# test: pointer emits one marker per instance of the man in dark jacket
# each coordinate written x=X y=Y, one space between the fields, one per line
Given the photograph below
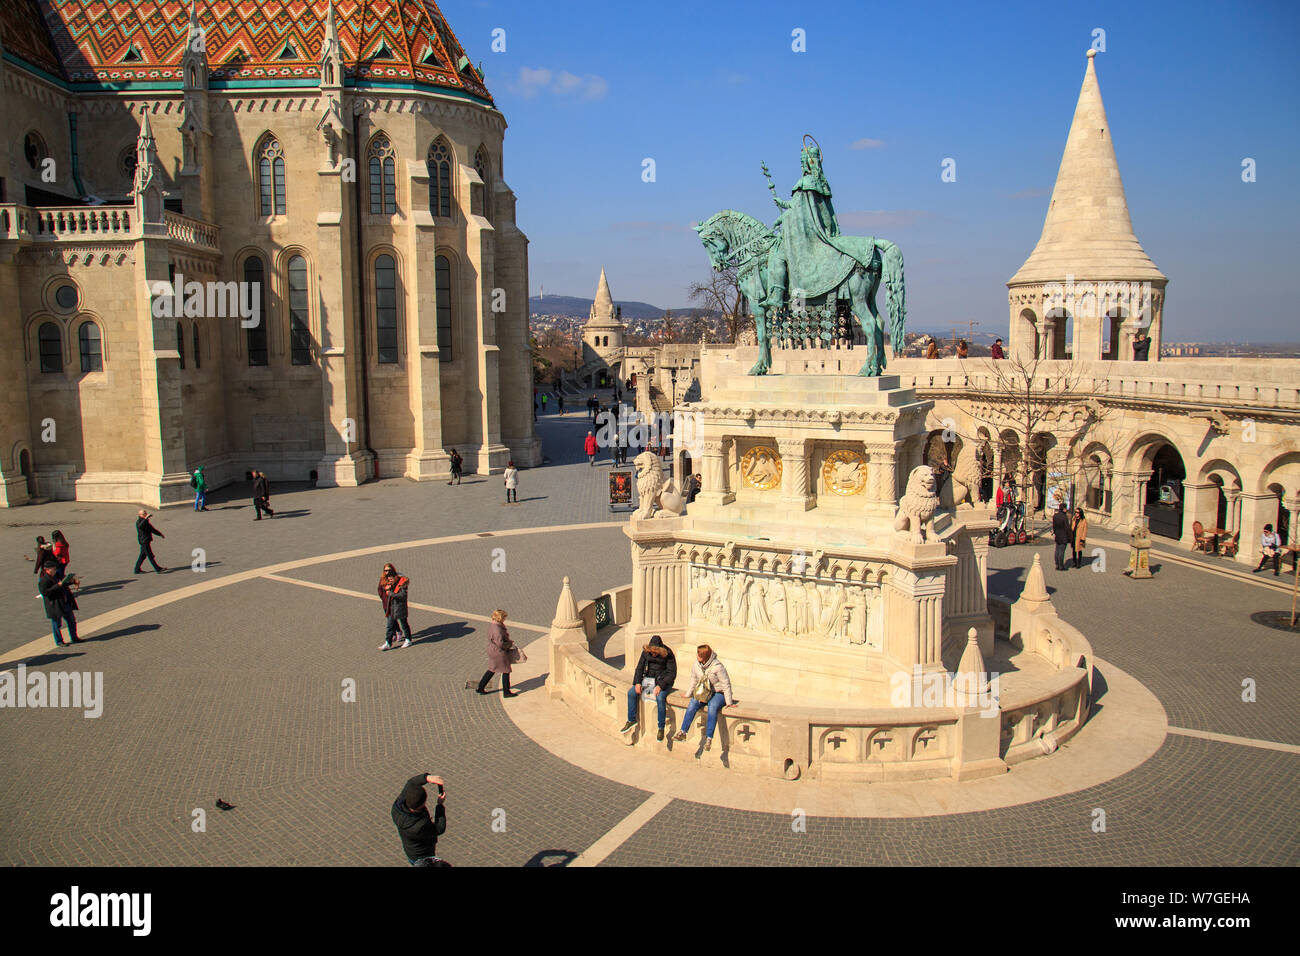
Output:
x=59 y=602
x=261 y=495
x=658 y=665
x=1062 y=533
x=419 y=831
x=144 y=533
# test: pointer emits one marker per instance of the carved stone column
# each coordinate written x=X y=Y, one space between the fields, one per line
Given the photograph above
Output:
x=713 y=474
x=883 y=469
x=1292 y=505
x=794 y=473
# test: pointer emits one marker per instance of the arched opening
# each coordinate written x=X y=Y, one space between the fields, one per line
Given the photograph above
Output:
x=1045 y=472
x=381 y=161
x=1027 y=331
x=1060 y=331
x=1164 y=502
x=1095 y=471
x=270 y=176
x=1111 y=325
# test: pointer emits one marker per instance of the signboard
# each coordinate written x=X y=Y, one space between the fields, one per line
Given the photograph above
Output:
x=620 y=491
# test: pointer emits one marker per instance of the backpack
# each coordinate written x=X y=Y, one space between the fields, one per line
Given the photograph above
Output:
x=703 y=690
x=194 y=481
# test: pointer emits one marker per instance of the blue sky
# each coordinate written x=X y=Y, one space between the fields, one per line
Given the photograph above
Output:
x=710 y=89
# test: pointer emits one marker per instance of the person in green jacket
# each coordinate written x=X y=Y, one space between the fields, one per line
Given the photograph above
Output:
x=200 y=489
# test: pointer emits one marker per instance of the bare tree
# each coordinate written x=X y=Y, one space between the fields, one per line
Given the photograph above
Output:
x=1048 y=404
x=721 y=294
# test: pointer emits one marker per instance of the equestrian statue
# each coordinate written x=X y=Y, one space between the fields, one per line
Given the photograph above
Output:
x=796 y=274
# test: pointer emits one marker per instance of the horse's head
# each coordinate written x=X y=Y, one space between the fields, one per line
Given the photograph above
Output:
x=715 y=243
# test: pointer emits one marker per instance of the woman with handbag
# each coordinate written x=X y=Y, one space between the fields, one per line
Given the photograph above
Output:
x=709 y=685
x=1079 y=535
x=502 y=652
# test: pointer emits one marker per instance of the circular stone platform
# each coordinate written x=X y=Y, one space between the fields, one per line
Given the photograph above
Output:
x=1128 y=726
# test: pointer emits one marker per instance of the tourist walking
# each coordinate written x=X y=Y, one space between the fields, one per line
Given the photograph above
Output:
x=655 y=673
x=62 y=554
x=393 y=592
x=589 y=446
x=1079 y=534
x=419 y=831
x=511 y=476
x=457 y=466
x=502 y=652
x=261 y=495
x=1270 y=543
x=144 y=533
x=59 y=603
x=996 y=351
x=545 y=398
x=710 y=686
x=1061 y=534
x=200 y=486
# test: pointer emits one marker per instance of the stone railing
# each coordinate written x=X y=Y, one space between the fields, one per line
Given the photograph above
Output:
x=193 y=232
x=89 y=223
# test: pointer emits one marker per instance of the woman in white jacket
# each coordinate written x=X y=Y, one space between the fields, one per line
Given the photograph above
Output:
x=707 y=665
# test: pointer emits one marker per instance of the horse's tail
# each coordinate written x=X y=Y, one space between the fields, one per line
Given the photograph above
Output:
x=892 y=269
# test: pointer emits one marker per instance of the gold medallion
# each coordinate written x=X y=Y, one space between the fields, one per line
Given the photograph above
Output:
x=761 y=468
x=845 y=472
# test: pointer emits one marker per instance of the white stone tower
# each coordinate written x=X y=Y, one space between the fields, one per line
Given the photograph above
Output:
x=602 y=338
x=1088 y=265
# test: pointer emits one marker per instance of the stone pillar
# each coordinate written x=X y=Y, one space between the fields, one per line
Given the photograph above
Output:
x=1200 y=503
x=15 y=410
x=882 y=472
x=713 y=473
x=659 y=586
x=427 y=460
x=1255 y=512
x=794 y=473
x=1292 y=505
x=1140 y=479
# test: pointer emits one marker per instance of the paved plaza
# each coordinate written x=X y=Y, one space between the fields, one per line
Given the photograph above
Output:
x=229 y=683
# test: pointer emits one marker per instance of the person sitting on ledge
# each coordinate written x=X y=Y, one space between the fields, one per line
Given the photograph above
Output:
x=658 y=669
x=707 y=667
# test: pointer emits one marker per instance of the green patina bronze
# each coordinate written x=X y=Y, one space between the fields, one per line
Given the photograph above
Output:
x=796 y=273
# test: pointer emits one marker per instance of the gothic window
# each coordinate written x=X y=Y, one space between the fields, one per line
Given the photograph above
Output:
x=180 y=343
x=442 y=290
x=34 y=149
x=440 y=178
x=383 y=179
x=299 y=326
x=92 y=351
x=270 y=176
x=198 y=358
x=51 y=348
x=255 y=337
x=484 y=168
x=386 y=309
x=126 y=164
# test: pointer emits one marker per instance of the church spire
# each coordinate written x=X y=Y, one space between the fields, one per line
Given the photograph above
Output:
x=603 y=311
x=1087 y=231
x=331 y=53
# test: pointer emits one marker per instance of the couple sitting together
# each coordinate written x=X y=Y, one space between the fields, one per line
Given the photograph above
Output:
x=656 y=672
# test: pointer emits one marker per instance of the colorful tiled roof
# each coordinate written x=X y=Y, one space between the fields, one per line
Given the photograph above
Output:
x=22 y=31
x=123 y=42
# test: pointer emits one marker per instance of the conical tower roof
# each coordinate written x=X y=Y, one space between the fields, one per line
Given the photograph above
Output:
x=602 y=310
x=1087 y=232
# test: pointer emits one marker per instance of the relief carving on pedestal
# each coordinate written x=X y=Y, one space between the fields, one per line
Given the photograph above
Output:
x=831 y=611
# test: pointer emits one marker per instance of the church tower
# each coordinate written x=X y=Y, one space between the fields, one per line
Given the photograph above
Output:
x=1088 y=284
x=602 y=336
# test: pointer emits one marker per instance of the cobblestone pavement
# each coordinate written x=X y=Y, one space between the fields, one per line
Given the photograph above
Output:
x=238 y=693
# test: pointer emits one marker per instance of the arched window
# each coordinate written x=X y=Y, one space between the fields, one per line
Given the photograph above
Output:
x=440 y=178
x=198 y=356
x=92 y=351
x=270 y=176
x=255 y=337
x=51 y=347
x=442 y=289
x=299 y=326
x=386 y=309
x=383 y=179
x=484 y=168
x=180 y=343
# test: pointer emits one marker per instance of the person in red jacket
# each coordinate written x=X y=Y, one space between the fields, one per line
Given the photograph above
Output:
x=62 y=554
x=589 y=445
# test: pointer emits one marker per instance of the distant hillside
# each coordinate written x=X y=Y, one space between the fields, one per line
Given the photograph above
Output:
x=581 y=308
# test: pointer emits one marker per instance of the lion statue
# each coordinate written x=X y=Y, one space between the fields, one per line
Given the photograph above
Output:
x=653 y=491
x=916 y=508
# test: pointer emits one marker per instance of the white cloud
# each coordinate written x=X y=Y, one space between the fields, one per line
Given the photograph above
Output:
x=531 y=81
x=867 y=143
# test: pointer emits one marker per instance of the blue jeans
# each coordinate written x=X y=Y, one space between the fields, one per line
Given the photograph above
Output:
x=200 y=499
x=390 y=631
x=58 y=631
x=661 y=701
x=715 y=704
